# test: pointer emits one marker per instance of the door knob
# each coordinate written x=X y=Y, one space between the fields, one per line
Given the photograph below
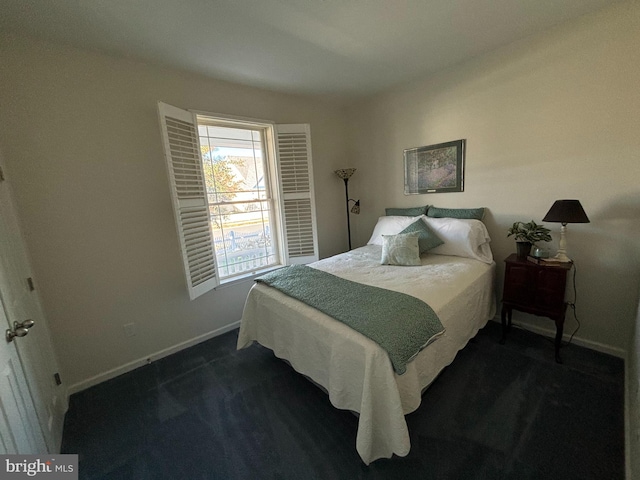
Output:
x=19 y=330
x=26 y=324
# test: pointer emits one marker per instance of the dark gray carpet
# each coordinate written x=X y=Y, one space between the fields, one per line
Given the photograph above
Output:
x=211 y=412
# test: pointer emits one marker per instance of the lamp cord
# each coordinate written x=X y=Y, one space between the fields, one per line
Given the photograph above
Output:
x=573 y=306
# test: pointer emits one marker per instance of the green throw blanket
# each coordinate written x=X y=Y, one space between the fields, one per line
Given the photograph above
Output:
x=399 y=323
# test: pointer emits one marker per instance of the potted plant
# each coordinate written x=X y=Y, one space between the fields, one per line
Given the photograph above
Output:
x=527 y=234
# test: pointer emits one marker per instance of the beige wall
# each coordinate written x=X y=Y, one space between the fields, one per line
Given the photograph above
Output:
x=81 y=139
x=554 y=116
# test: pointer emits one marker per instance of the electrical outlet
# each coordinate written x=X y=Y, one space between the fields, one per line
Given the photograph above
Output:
x=130 y=329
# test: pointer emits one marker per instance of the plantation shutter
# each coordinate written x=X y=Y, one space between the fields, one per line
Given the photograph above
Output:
x=189 y=194
x=297 y=196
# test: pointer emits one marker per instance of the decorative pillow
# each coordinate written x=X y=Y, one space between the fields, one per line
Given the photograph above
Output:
x=389 y=226
x=406 y=212
x=463 y=213
x=401 y=249
x=427 y=238
x=462 y=238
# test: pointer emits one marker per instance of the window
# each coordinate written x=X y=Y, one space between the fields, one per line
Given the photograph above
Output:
x=235 y=165
x=242 y=195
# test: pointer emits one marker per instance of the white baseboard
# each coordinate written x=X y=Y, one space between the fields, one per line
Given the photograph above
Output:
x=547 y=332
x=127 y=367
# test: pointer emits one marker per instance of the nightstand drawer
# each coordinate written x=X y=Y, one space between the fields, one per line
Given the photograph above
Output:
x=535 y=288
x=518 y=284
x=550 y=289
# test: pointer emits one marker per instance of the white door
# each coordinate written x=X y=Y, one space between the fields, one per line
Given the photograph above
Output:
x=21 y=302
x=19 y=428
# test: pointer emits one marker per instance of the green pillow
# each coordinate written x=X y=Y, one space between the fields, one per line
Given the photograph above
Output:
x=427 y=238
x=401 y=249
x=406 y=212
x=462 y=213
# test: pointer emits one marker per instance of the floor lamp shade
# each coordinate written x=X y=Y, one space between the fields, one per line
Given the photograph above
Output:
x=345 y=173
x=565 y=211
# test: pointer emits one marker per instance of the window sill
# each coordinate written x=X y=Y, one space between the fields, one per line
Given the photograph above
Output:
x=245 y=277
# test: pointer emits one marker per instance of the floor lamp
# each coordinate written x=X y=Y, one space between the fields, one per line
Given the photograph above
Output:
x=345 y=174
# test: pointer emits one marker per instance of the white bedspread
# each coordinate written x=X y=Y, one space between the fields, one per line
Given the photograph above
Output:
x=354 y=370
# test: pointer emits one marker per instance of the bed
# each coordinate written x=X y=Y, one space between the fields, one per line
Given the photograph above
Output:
x=456 y=279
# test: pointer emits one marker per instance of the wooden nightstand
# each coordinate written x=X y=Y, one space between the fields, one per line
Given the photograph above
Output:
x=536 y=289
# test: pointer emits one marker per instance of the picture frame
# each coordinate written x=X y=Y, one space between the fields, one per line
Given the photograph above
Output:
x=435 y=168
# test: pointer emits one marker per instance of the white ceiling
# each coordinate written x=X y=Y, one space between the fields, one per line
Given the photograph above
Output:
x=340 y=47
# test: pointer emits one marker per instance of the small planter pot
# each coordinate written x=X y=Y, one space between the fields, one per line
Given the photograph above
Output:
x=523 y=249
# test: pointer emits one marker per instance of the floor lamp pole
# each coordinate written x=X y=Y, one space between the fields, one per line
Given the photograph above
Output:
x=346 y=192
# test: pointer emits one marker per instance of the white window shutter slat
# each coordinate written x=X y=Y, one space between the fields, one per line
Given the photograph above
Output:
x=189 y=194
x=297 y=195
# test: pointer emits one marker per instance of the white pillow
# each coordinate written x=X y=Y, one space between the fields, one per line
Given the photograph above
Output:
x=391 y=225
x=462 y=238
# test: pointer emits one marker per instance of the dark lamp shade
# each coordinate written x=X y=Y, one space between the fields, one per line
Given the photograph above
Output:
x=566 y=211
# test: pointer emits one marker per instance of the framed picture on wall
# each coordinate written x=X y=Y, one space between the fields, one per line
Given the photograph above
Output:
x=435 y=168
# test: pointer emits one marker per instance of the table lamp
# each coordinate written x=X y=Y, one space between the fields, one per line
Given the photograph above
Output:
x=565 y=211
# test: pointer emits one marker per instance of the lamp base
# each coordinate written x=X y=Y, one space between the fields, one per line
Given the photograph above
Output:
x=559 y=257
